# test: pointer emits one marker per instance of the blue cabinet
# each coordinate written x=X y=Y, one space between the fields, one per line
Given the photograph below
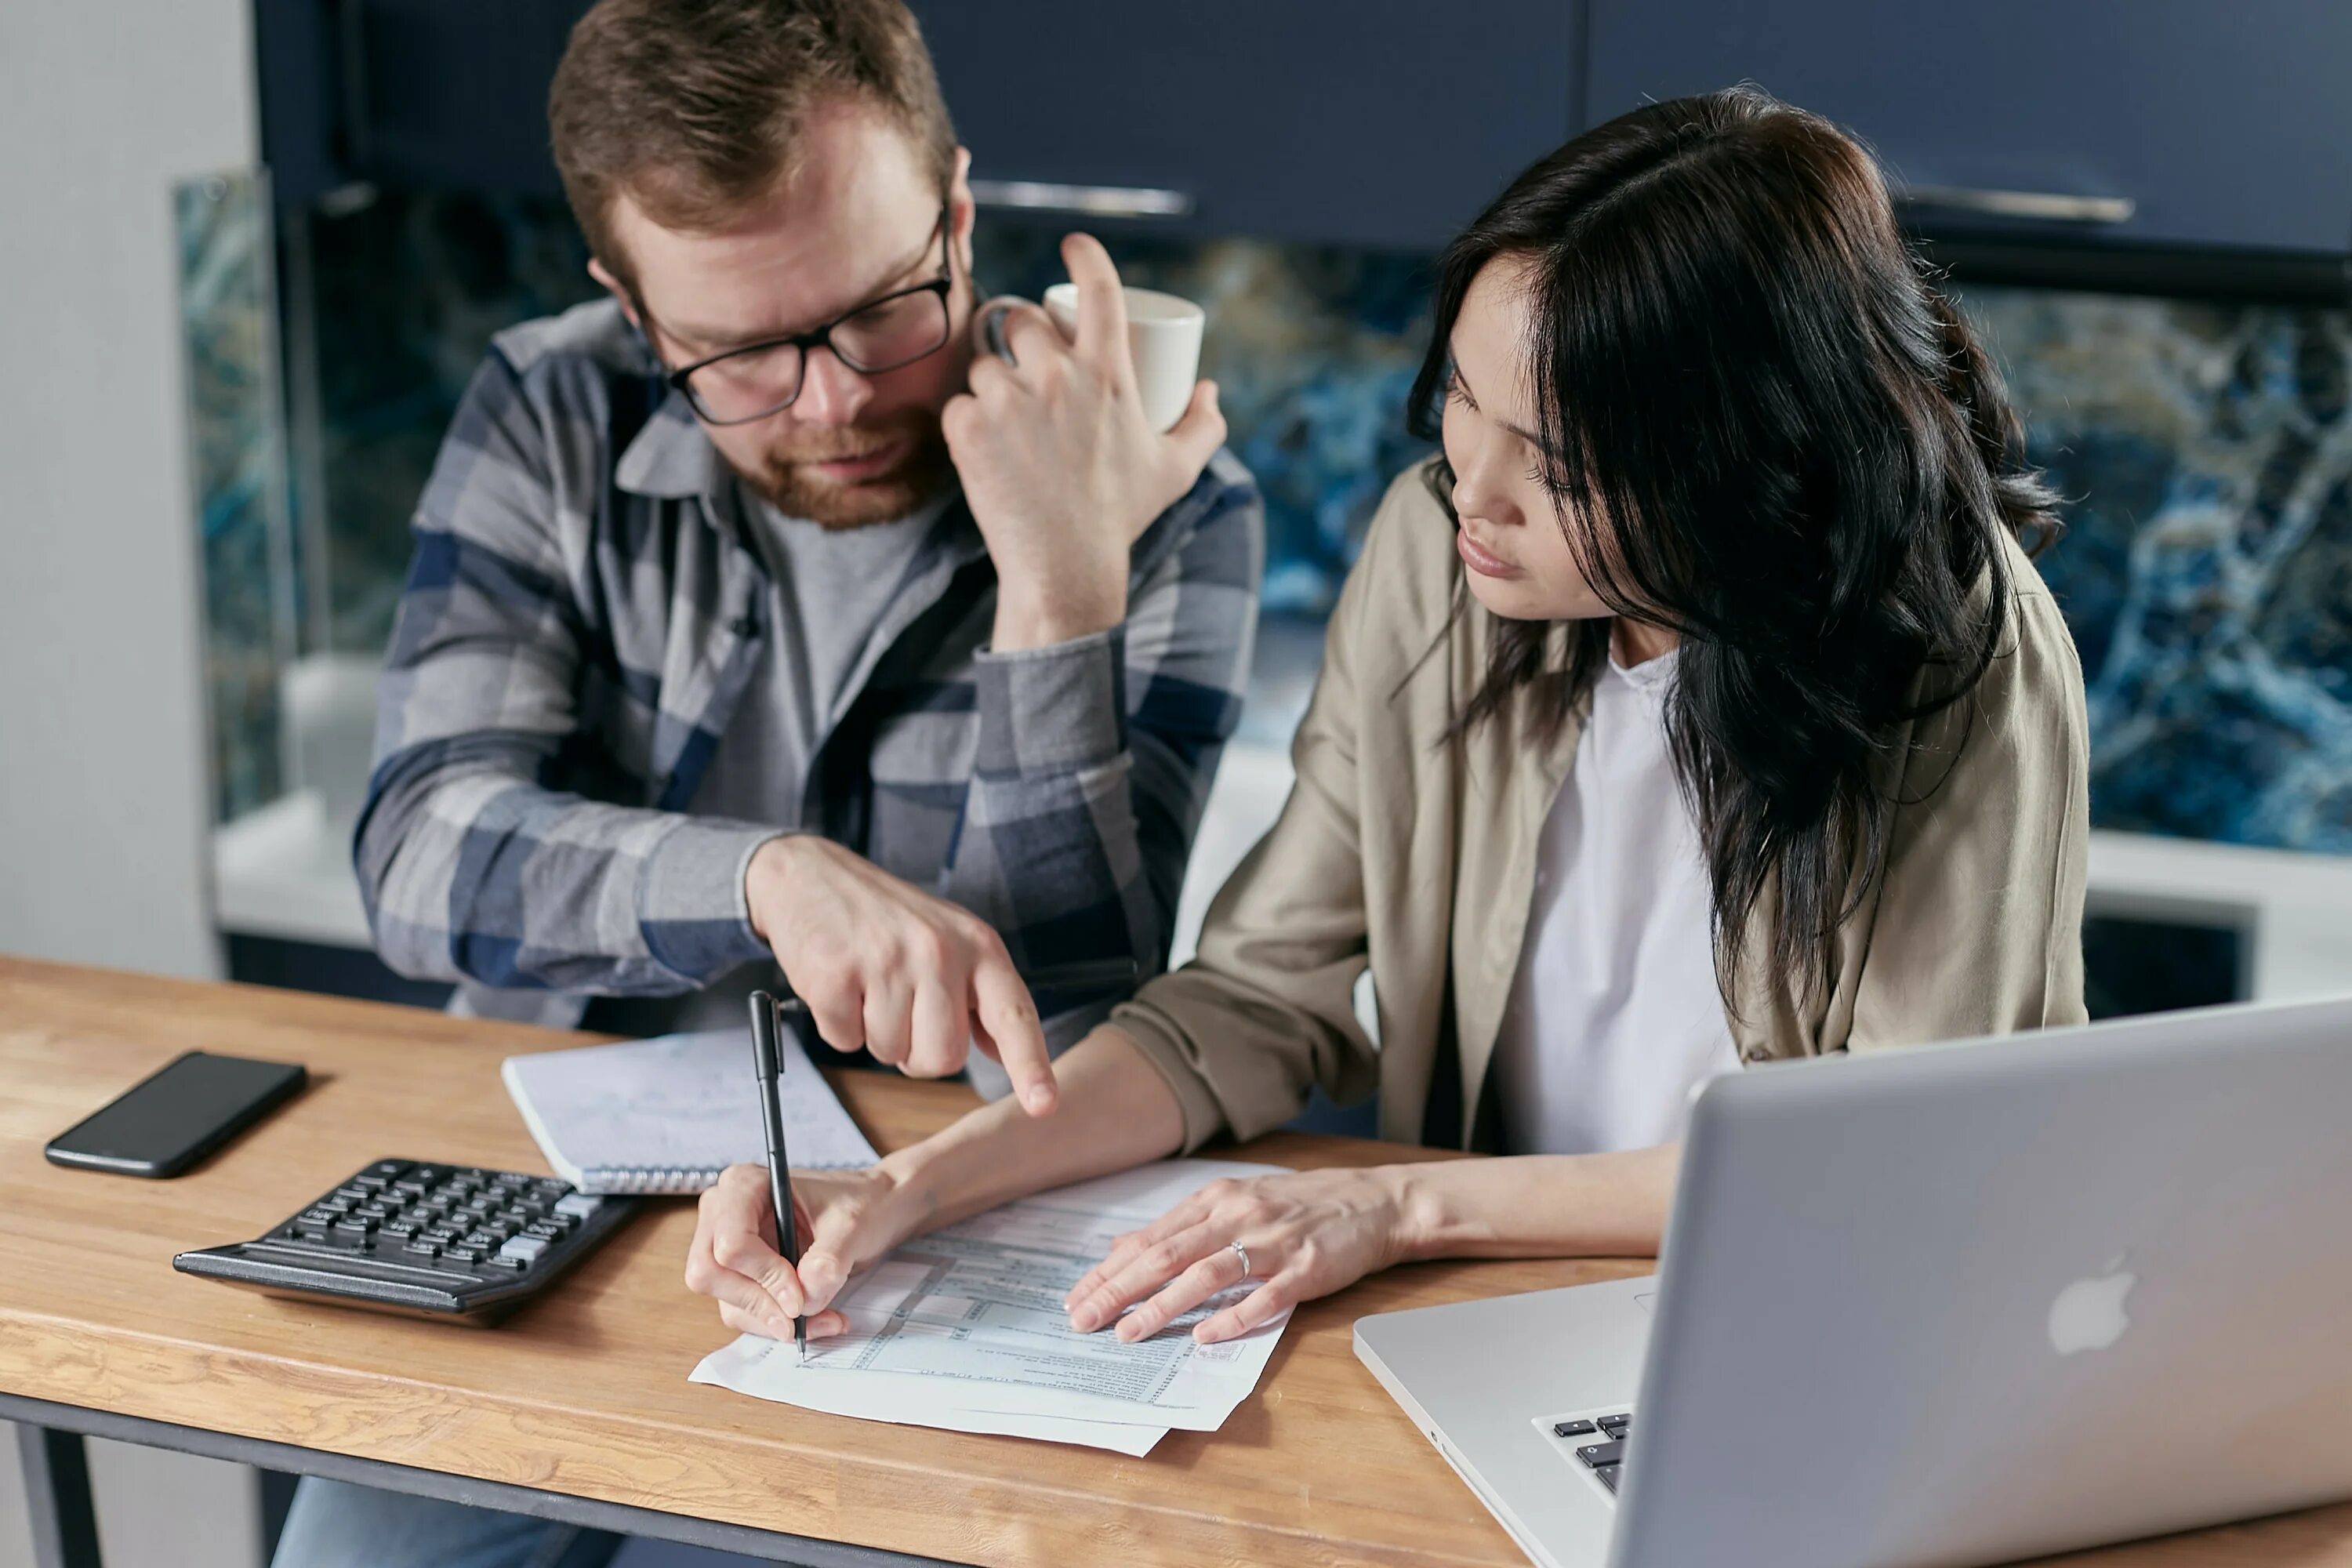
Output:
x=1380 y=123
x=1388 y=122
x=2179 y=122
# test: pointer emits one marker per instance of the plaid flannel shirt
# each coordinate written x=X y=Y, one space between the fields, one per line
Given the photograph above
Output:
x=583 y=611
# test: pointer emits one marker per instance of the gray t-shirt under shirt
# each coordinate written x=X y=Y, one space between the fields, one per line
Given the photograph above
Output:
x=828 y=590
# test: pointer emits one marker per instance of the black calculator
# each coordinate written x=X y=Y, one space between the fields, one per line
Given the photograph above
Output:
x=452 y=1242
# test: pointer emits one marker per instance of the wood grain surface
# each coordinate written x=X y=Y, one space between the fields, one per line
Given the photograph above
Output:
x=585 y=1392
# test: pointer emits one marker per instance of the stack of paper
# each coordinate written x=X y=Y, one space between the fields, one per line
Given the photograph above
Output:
x=964 y=1328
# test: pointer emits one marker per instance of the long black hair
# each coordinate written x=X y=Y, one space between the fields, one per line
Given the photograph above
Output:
x=1805 y=460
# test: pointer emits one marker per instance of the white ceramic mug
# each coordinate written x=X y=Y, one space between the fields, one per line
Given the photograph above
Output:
x=1163 y=336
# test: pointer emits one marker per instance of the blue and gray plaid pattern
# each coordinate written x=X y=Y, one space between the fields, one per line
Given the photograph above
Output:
x=584 y=612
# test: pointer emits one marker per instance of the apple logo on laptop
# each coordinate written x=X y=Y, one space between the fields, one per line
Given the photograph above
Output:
x=2089 y=1315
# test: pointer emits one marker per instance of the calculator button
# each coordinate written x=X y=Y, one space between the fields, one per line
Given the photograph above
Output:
x=376 y=1212
x=354 y=1225
x=353 y=1194
x=334 y=1206
x=548 y=1189
x=423 y=1248
x=466 y=1254
x=548 y=1229
x=578 y=1205
x=443 y=1235
x=400 y=1227
x=484 y=1239
x=522 y=1249
x=387 y=1169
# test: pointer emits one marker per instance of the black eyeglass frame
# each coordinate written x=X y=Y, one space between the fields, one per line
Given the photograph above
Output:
x=820 y=337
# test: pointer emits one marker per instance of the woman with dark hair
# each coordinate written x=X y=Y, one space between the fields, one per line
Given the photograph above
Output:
x=1699 y=706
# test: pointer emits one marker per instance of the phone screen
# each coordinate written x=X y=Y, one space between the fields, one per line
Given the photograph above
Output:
x=166 y=1122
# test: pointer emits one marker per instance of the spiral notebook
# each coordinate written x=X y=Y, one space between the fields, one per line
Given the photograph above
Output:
x=667 y=1115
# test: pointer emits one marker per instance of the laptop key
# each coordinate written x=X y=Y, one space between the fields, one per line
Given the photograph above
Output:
x=1607 y=1476
x=1599 y=1454
x=1574 y=1429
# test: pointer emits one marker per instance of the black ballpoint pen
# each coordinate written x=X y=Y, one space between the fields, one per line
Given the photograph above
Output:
x=767 y=1022
x=766 y=1016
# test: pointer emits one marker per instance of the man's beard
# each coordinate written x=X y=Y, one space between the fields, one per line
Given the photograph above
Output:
x=786 y=481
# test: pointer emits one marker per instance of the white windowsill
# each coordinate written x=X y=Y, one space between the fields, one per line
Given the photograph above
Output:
x=284 y=872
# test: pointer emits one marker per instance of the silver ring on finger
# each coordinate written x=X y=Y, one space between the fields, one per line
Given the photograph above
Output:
x=1243 y=1253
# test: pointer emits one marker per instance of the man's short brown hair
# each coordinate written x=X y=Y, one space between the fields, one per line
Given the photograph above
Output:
x=693 y=107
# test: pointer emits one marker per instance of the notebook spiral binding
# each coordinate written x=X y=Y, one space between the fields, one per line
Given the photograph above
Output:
x=648 y=1179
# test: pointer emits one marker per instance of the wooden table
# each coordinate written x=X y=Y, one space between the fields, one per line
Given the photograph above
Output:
x=578 y=1408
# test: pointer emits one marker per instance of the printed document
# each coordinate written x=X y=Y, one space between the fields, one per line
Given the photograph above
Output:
x=964 y=1328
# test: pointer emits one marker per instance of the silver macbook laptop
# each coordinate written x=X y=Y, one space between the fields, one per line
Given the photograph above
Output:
x=1953 y=1305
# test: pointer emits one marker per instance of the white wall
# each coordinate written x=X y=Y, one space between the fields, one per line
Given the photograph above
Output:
x=103 y=801
x=103 y=796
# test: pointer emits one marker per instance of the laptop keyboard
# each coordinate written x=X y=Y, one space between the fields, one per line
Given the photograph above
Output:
x=1598 y=1443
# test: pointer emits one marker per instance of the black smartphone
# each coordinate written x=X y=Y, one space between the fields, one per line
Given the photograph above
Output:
x=174 y=1117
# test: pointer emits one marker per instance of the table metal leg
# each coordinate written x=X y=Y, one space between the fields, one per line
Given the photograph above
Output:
x=277 y=1499
x=56 y=1496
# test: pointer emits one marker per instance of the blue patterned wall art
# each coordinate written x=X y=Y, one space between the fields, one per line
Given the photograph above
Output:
x=2206 y=458
x=2205 y=451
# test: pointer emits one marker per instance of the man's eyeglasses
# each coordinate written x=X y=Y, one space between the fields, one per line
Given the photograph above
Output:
x=756 y=380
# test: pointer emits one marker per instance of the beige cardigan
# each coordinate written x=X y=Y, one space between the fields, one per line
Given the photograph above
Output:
x=1419 y=858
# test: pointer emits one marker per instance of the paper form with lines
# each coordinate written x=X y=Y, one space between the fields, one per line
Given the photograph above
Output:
x=964 y=1328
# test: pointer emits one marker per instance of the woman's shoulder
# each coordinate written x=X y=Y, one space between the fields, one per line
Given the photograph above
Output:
x=2026 y=708
x=2037 y=652
x=1405 y=586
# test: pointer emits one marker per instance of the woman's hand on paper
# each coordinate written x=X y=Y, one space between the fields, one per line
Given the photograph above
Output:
x=848 y=1216
x=1307 y=1233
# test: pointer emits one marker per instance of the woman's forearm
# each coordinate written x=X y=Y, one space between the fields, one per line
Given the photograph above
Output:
x=1538 y=1205
x=1115 y=1111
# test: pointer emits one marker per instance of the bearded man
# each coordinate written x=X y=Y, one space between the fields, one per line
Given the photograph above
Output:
x=759 y=622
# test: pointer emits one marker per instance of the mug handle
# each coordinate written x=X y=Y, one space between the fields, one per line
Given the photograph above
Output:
x=990 y=326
